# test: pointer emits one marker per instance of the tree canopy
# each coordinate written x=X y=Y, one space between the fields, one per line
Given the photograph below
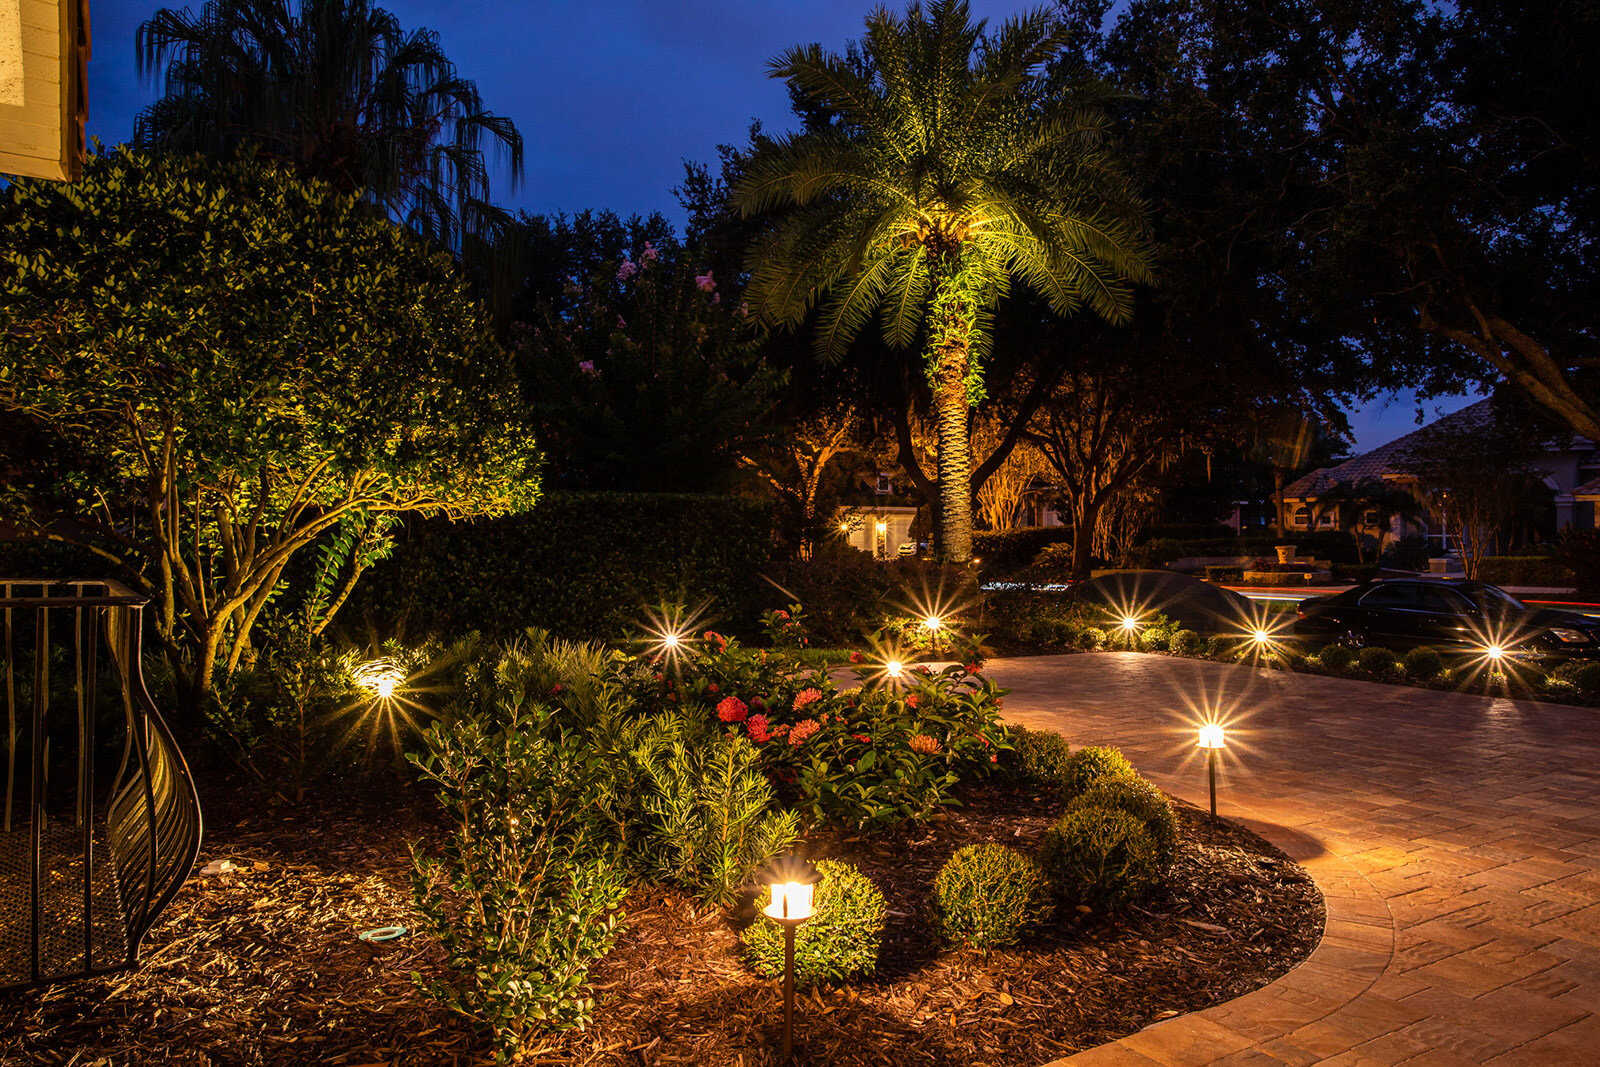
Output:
x=205 y=368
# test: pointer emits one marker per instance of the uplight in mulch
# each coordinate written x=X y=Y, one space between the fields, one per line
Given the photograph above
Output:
x=793 y=882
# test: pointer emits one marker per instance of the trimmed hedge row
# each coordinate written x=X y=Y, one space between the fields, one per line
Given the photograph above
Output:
x=1525 y=570
x=1011 y=550
x=581 y=565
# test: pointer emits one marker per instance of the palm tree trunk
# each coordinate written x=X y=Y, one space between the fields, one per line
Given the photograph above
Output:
x=954 y=541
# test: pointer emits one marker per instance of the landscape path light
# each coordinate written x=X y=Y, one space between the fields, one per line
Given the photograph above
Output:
x=380 y=677
x=1212 y=740
x=793 y=883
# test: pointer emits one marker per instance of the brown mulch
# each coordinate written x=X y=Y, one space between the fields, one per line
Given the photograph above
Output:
x=262 y=965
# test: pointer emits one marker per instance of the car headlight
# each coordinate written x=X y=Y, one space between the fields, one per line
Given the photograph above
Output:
x=1569 y=637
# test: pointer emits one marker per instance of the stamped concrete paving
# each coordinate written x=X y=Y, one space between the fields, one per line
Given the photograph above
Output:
x=1456 y=840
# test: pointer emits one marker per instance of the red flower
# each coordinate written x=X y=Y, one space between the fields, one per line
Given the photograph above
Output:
x=912 y=700
x=974 y=667
x=558 y=687
x=802 y=730
x=732 y=709
x=856 y=657
x=994 y=759
x=806 y=696
x=780 y=729
x=720 y=641
x=757 y=727
x=714 y=688
x=780 y=614
x=863 y=738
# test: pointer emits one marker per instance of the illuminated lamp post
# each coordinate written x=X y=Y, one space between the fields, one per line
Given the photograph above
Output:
x=793 y=882
x=1212 y=740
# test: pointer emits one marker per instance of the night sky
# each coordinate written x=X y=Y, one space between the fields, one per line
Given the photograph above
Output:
x=611 y=96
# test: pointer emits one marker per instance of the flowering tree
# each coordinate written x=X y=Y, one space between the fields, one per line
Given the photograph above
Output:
x=206 y=369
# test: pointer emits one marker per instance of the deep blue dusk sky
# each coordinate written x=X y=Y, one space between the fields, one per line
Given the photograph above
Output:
x=611 y=96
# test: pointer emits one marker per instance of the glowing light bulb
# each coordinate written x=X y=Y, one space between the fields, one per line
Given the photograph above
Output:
x=1211 y=736
x=384 y=688
x=380 y=677
x=1495 y=652
x=671 y=640
x=883 y=527
x=1130 y=623
x=894 y=668
x=933 y=622
x=1261 y=637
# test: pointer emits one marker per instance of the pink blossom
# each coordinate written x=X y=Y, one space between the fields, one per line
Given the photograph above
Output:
x=732 y=709
x=806 y=696
x=705 y=282
x=743 y=309
x=587 y=367
x=622 y=323
x=649 y=254
x=716 y=298
x=627 y=270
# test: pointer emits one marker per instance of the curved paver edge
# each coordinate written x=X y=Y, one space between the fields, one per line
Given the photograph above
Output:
x=1354 y=950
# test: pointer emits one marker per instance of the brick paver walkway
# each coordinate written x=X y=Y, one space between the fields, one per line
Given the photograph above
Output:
x=1456 y=840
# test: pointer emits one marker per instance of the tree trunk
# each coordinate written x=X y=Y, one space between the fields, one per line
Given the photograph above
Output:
x=954 y=542
x=1277 y=495
x=1085 y=517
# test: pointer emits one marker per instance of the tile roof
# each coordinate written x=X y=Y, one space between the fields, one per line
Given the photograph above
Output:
x=1394 y=458
x=1589 y=488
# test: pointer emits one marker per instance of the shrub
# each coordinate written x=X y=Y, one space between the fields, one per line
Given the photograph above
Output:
x=1222 y=647
x=1041 y=756
x=1088 y=765
x=1408 y=553
x=583 y=565
x=839 y=943
x=1155 y=639
x=1424 y=664
x=846 y=596
x=709 y=813
x=524 y=892
x=1100 y=858
x=1091 y=638
x=785 y=627
x=1579 y=551
x=1144 y=802
x=1337 y=658
x=1052 y=560
x=1540 y=571
x=986 y=895
x=1005 y=551
x=1379 y=662
x=1587 y=678
x=1186 y=643
x=1292 y=658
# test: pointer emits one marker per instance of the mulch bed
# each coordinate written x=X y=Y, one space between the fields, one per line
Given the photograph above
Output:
x=262 y=966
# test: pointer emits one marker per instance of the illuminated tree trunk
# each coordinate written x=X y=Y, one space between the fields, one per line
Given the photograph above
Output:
x=952 y=321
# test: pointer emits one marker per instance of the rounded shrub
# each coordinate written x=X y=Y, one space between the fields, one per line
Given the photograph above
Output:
x=1144 y=802
x=1222 y=647
x=1379 y=662
x=1091 y=638
x=1337 y=658
x=1587 y=679
x=1292 y=659
x=1040 y=756
x=839 y=943
x=1186 y=642
x=1090 y=764
x=1155 y=640
x=986 y=895
x=1424 y=664
x=1100 y=857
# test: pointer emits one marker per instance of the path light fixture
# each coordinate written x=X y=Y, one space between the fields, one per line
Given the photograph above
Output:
x=894 y=669
x=1212 y=740
x=933 y=624
x=793 y=882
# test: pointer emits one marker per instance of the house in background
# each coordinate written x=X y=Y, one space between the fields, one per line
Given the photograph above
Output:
x=1569 y=467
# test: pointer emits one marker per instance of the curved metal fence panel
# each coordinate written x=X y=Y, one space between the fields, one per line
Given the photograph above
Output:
x=101 y=823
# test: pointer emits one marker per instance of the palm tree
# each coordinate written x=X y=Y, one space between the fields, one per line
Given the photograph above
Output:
x=945 y=170
x=336 y=89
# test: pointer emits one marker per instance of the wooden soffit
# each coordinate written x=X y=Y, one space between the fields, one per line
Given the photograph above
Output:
x=44 y=49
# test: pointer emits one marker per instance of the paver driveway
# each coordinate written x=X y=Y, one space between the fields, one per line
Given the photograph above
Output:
x=1456 y=839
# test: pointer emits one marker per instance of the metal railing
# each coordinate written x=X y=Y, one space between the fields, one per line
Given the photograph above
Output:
x=88 y=860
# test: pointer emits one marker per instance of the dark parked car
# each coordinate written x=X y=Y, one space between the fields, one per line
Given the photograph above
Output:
x=1450 y=615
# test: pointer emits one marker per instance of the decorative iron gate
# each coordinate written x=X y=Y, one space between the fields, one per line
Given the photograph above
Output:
x=88 y=859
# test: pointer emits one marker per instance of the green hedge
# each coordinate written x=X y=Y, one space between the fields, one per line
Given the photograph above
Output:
x=1321 y=544
x=1525 y=570
x=582 y=565
x=1011 y=550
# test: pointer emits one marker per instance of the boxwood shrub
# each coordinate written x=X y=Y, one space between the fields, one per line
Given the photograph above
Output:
x=1040 y=756
x=581 y=565
x=839 y=943
x=1424 y=664
x=1144 y=802
x=1379 y=662
x=1090 y=764
x=1187 y=642
x=986 y=895
x=1101 y=858
x=1337 y=658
